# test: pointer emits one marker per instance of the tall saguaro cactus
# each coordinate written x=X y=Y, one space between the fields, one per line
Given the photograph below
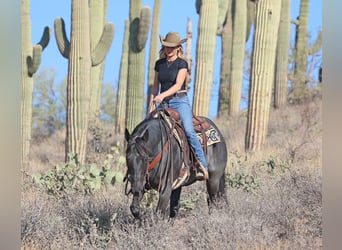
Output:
x=282 y=61
x=262 y=72
x=140 y=19
x=81 y=58
x=238 y=56
x=302 y=49
x=226 y=60
x=188 y=51
x=98 y=14
x=206 y=43
x=30 y=61
x=120 y=112
x=230 y=91
x=154 y=46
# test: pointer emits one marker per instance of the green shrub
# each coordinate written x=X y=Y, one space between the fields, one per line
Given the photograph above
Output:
x=243 y=181
x=72 y=176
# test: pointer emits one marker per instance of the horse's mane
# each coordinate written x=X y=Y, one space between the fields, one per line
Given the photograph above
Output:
x=145 y=125
x=155 y=127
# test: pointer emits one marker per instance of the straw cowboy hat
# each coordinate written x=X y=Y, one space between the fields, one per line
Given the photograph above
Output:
x=172 y=39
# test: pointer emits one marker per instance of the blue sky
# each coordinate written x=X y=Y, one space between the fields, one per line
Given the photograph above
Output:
x=174 y=14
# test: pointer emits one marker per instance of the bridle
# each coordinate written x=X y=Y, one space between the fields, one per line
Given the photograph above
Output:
x=152 y=162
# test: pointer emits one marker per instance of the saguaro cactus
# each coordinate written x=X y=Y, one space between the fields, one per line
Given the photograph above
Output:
x=302 y=50
x=238 y=56
x=120 y=113
x=226 y=59
x=188 y=51
x=154 y=46
x=206 y=43
x=282 y=61
x=301 y=45
x=227 y=53
x=30 y=61
x=262 y=72
x=81 y=58
x=140 y=20
x=98 y=13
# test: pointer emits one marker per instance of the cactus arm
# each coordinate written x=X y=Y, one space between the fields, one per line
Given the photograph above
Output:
x=144 y=27
x=34 y=61
x=44 y=41
x=102 y=47
x=198 y=5
x=317 y=45
x=295 y=22
x=61 y=38
x=222 y=12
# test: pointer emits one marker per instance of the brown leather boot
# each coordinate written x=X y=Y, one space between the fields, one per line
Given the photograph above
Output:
x=202 y=173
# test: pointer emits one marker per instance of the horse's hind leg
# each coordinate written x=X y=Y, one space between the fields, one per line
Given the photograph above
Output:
x=216 y=190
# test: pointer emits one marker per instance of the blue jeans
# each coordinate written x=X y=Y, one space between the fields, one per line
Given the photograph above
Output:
x=182 y=105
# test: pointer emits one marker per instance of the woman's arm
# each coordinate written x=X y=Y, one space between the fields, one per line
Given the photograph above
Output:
x=154 y=92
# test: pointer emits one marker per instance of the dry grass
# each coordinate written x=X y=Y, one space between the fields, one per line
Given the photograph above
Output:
x=284 y=211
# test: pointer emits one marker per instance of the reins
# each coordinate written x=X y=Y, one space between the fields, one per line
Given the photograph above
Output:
x=153 y=162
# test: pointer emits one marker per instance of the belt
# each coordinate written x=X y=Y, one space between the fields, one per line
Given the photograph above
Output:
x=180 y=93
x=177 y=94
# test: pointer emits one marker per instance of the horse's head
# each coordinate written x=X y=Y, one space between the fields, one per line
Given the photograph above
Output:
x=137 y=160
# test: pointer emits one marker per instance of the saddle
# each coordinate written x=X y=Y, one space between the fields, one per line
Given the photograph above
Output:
x=207 y=135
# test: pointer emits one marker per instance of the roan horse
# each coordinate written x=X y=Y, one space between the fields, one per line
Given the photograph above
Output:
x=155 y=158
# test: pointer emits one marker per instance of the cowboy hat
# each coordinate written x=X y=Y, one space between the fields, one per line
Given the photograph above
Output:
x=172 y=39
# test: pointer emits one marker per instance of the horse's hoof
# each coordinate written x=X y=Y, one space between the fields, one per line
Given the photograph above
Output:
x=173 y=211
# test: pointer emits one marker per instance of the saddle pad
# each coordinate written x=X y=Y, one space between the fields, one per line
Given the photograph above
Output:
x=211 y=133
x=212 y=136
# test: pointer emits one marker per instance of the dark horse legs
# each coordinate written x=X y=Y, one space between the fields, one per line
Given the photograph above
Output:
x=174 y=206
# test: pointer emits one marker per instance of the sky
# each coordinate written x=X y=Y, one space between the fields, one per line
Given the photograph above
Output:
x=174 y=15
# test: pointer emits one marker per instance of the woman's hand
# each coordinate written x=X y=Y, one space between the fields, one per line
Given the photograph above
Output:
x=158 y=99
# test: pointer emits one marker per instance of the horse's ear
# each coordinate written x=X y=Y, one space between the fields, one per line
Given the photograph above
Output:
x=127 y=135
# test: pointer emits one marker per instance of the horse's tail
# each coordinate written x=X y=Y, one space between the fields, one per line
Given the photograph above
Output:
x=222 y=188
x=222 y=185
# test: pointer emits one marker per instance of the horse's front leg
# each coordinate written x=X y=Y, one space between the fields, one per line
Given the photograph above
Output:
x=174 y=202
x=164 y=198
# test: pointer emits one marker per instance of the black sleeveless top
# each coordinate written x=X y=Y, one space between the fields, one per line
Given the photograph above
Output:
x=168 y=71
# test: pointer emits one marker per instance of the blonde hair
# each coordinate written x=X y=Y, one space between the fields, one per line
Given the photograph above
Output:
x=179 y=53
